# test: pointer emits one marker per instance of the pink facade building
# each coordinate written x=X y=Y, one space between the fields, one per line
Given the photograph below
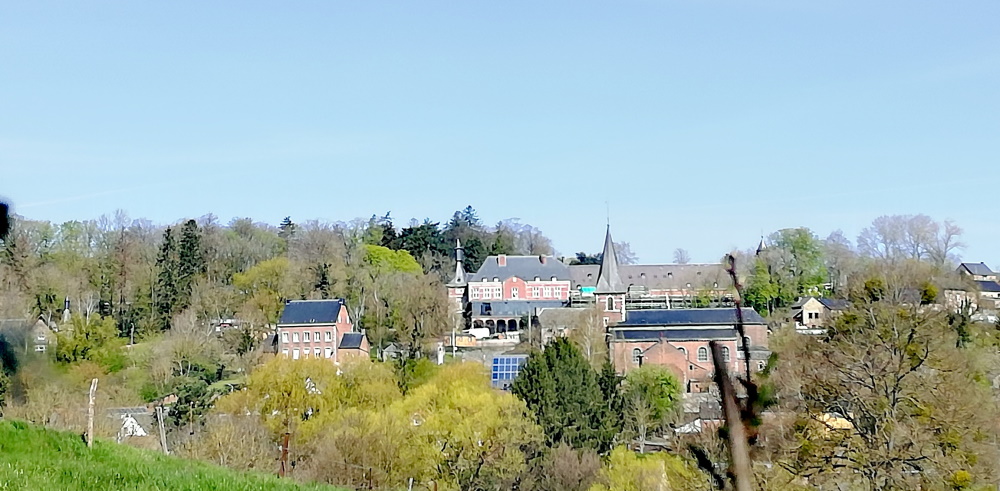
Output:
x=319 y=329
x=679 y=339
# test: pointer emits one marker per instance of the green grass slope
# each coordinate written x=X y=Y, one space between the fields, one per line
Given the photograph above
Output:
x=35 y=458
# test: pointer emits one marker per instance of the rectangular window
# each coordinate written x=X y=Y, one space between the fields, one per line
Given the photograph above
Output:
x=284 y=352
x=328 y=352
x=316 y=352
x=535 y=292
x=295 y=338
x=475 y=294
x=548 y=291
x=284 y=337
x=316 y=336
x=513 y=293
x=295 y=354
x=305 y=337
x=329 y=336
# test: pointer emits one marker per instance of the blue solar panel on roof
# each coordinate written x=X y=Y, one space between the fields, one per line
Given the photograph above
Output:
x=675 y=317
x=674 y=334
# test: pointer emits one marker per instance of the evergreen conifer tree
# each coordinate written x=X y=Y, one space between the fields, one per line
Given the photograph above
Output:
x=190 y=263
x=166 y=280
x=561 y=388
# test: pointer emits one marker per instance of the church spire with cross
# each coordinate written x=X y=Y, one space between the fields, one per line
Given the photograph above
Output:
x=608 y=278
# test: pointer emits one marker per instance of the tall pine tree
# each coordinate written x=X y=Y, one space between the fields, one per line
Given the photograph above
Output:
x=190 y=264
x=166 y=280
x=569 y=403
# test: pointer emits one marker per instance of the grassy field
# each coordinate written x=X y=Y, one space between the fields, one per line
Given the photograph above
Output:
x=35 y=458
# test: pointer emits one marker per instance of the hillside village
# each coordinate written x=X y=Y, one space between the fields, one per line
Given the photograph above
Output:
x=401 y=326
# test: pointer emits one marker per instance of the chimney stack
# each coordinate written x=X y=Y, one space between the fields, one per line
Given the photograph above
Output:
x=502 y=260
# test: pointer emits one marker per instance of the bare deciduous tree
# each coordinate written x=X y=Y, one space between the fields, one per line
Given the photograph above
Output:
x=681 y=256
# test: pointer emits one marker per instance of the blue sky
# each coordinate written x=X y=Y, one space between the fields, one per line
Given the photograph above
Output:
x=700 y=123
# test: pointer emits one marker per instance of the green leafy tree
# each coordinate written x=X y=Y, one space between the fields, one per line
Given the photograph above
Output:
x=385 y=261
x=761 y=292
x=561 y=388
x=652 y=395
x=90 y=339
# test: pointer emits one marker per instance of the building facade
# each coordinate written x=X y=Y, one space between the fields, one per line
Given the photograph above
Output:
x=319 y=329
x=679 y=339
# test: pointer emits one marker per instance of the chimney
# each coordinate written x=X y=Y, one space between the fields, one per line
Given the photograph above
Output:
x=502 y=260
x=541 y=259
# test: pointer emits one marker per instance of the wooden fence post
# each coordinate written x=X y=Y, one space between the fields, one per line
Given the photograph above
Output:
x=90 y=414
x=284 y=455
x=163 y=433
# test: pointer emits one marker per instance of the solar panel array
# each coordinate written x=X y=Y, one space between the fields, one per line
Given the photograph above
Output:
x=505 y=369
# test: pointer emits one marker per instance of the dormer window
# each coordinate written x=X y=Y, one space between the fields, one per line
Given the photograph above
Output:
x=496 y=279
x=537 y=279
x=554 y=278
x=670 y=275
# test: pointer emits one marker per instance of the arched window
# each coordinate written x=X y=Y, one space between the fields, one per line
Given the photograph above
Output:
x=703 y=354
x=611 y=304
x=684 y=352
x=725 y=354
x=636 y=356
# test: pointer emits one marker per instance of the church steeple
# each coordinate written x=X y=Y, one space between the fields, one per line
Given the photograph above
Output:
x=459 y=279
x=761 y=247
x=608 y=279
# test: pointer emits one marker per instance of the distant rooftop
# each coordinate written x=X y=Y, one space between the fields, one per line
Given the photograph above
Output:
x=524 y=267
x=980 y=269
x=689 y=317
x=311 y=311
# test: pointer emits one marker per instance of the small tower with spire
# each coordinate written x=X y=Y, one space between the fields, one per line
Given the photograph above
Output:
x=762 y=246
x=458 y=286
x=610 y=289
x=66 y=312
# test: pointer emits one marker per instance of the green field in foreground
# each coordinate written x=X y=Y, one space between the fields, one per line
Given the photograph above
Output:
x=32 y=457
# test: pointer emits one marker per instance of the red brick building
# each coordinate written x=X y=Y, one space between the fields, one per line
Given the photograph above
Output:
x=319 y=329
x=679 y=339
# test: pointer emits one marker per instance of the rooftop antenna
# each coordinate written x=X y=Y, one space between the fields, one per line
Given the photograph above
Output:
x=607 y=209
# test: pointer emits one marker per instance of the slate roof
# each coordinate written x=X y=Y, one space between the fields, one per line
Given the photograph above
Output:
x=689 y=317
x=515 y=307
x=988 y=286
x=980 y=269
x=351 y=340
x=834 y=303
x=524 y=267
x=673 y=334
x=608 y=278
x=656 y=276
x=560 y=317
x=311 y=312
